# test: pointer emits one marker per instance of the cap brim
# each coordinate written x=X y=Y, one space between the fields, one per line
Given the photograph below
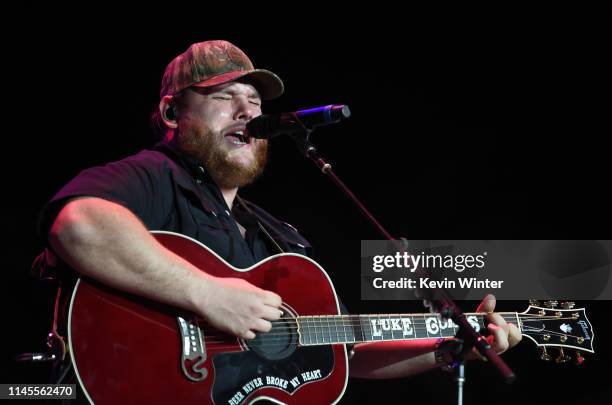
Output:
x=268 y=84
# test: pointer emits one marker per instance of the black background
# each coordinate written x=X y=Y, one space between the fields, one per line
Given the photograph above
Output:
x=467 y=124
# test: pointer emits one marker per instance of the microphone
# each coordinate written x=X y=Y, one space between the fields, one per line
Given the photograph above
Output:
x=271 y=125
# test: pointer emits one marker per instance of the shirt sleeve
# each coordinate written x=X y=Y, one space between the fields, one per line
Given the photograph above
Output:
x=140 y=183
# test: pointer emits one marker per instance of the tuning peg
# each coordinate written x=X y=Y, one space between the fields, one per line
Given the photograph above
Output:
x=568 y=305
x=550 y=304
x=544 y=355
x=579 y=359
x=535 y=303
x=563 y=358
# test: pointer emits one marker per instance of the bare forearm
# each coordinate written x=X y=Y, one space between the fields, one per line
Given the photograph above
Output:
x=393 y=359
x=105 y=241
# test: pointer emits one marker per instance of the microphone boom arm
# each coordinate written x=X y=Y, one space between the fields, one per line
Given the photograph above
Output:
x=440 y=298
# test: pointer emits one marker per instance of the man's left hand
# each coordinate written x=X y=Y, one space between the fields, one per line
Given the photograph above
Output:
x=503 y=335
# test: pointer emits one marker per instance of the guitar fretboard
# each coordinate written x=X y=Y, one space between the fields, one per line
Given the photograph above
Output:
x=329 y=329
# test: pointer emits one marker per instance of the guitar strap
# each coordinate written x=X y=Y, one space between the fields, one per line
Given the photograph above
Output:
x=260 y=225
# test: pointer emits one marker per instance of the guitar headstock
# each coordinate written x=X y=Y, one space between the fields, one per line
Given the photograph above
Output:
x=564 y=327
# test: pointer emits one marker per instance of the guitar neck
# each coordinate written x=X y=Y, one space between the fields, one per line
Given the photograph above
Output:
x=329 y=329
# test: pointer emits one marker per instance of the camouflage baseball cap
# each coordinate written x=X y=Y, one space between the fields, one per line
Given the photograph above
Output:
x=211 y=63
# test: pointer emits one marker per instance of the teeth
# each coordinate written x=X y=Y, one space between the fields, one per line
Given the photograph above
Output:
x=242 y=138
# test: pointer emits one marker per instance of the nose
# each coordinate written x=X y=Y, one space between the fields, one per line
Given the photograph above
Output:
x=243 y=110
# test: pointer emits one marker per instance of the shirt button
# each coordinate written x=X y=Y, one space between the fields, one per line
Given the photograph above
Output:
x=199 y=181
x=227 y=213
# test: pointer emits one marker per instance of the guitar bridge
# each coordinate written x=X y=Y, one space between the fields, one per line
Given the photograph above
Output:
x=193 y=350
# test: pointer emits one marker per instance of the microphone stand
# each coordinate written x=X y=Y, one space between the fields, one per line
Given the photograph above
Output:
x=466 y=335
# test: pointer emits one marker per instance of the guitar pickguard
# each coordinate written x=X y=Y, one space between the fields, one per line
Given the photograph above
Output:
x=239 y=374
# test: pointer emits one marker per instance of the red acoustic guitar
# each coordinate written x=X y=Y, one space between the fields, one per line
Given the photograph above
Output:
x=126 y=349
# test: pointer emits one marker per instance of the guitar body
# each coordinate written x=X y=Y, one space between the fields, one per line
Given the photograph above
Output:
x=126 y=349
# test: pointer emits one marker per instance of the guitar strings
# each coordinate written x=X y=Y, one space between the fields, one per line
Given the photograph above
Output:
x=323 y=327
x=271 y=337
x=267 y=343
x=329 y=323
x=551 y=332
x=325 y=321
x=275 y=342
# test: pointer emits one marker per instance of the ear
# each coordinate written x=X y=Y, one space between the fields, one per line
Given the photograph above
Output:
x=167 y=112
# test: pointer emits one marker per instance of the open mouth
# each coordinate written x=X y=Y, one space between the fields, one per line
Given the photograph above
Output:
x=238 y=138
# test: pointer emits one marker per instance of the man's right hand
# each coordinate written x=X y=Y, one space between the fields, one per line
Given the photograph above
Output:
x=238 y=307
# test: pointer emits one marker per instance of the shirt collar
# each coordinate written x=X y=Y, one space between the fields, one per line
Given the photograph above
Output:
x=195 y=169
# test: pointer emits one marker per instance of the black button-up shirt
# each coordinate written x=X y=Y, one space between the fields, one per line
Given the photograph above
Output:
x=170 y=191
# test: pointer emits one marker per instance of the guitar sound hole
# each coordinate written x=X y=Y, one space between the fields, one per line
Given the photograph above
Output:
x=279 y=343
